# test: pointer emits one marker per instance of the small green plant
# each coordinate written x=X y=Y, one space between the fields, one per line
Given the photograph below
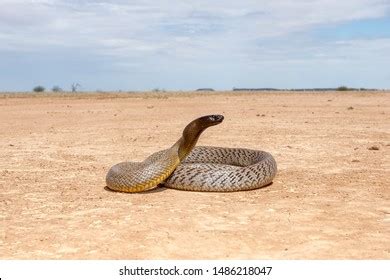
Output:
x=342 y=88
x=56 y=89
x=39 y=89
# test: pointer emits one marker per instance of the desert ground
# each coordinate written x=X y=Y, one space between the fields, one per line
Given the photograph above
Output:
x=329 y=200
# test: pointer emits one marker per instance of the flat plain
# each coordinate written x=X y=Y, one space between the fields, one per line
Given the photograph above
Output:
x=329 y=200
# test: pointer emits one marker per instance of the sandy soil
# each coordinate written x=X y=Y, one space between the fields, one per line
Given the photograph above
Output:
x=330 y=199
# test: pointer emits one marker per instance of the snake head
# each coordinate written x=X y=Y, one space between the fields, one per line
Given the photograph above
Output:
x=197 y=126
x=209 y=120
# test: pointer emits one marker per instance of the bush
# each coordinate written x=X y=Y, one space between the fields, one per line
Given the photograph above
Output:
x=39 y=89
x=56 y=89
x=75 y=86
x=342 y=88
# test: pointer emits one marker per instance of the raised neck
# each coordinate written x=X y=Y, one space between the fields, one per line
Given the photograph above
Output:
x=192 y=132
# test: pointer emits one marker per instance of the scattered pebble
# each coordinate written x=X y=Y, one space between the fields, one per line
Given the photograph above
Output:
x=150 y=107
x=329 y=100
x=11 y=145
x=337 y=112
x=373 y=148
x=289 y=147
x=257 y=115
x=350 y=108
x=355 y=160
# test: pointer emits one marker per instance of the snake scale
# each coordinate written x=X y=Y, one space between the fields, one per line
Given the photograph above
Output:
x=186 y=167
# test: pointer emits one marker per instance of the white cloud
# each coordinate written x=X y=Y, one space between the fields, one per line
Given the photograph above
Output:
x=41 y=24
x=187 y=32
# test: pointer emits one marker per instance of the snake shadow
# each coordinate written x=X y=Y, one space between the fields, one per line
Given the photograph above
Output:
x=263 y=187
x=161 y=188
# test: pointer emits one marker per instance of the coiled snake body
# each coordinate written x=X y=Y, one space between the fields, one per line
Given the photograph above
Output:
x=196 y=169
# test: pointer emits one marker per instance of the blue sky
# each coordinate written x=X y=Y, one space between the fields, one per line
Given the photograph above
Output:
x=184 y=45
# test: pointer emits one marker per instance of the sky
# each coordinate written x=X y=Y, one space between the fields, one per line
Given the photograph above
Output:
x=185 y=45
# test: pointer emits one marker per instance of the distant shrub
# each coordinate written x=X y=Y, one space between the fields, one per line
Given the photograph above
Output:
x=75 y=86
x=207 y=89
x=56 y=89
x=39 y=89
x=342 y=88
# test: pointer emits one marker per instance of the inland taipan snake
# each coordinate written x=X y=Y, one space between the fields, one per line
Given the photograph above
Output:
x=195 y=169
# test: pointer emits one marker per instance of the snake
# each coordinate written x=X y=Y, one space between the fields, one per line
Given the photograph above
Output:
x=203 y=168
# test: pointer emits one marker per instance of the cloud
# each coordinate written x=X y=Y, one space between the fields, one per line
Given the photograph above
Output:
x=189 y=34
x=42 y=24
